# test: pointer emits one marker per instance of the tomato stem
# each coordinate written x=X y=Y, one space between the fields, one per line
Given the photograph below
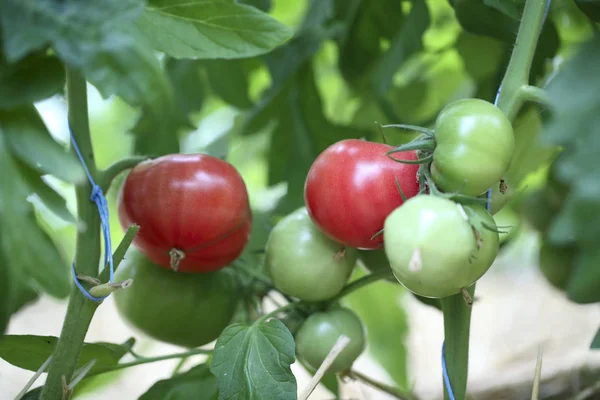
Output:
x=515 y=88
x=361 y=282
x=106 y=177
x=391 y=390
x=457 y=323
x=87 y=252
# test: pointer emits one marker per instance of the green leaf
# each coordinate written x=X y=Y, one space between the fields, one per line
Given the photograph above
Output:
x=263 y=5
x=595 y=345
x=98 y=38
x=405 y=42
x=33 y=394
x=574 y=124
x=229 y=81
x=157 y=133
x=387 y=329
x=25 y=245
x=32 y=79
x=512 y=8
x=54 y=201
x=30 y=352
x=8 y=286
x=29 y=140
x=591 y=8
x=209 y=29
x=254 y=362
x=197 y=383
x=368 y=23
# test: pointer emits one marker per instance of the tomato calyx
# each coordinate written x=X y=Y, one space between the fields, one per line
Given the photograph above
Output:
x=466 y=296
x=175 y=257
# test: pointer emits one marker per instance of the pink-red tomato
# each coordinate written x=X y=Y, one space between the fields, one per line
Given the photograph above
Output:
x=192 y=209
x=351 y=189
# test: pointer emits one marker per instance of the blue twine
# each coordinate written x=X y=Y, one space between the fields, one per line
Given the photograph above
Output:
x=97 y=197
x=446 y=378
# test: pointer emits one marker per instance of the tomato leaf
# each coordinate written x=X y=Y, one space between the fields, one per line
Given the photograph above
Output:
x=591 y=8
x=30 y=352
x=385 y=330
x=229 y=81
x=263 y=5
x=25 y=245
x=574 y=124
x=34 y=78
x=156 y=133
x=209 y=29
x=29 y=140
x=8 y=285
x=98 y=38
x=405 y=42
x=51 y=199
x=368 y=22
x=197 y=383
x=254 y=362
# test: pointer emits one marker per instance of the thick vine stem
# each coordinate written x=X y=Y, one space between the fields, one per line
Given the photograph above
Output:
x=87 y=252
x=510 y=96
x=457 y=322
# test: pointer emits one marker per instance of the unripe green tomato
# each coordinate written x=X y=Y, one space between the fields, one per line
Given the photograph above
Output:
x=432 y=247
x=304 y=263
x=474 y=146
x=556 y=264
x=320 y=332
x=183 y=309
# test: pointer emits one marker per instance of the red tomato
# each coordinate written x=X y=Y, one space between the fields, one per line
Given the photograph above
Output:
x=351 y=189
x=193 y=211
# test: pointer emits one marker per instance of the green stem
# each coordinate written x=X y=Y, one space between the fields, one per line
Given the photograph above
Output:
x=87 y=252
x=519 y=66
x=361 y=282
x=391 y=390
x=146 y=360
x=534 y=94
x=457 y=322
x=110 y=173
x=119 y=253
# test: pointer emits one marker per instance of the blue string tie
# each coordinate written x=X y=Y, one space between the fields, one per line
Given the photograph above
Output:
x=97 y=197
x=446 y=378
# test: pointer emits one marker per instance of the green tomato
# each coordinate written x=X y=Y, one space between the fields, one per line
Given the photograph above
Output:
x=556 y=264
x=321 y=330
x=474 y=146
x=433 y=248
x=183 y=309
x=304 y=263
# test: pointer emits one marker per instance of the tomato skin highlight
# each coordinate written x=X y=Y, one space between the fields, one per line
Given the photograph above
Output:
x=187 y=310
x=474 y=147
x=351 y=188
x=321 y=330
x=304 y=263
x=432 y=247
x=195 y=203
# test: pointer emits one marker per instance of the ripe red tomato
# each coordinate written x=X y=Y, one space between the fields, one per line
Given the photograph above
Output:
x=193 y=211
x=351 y=188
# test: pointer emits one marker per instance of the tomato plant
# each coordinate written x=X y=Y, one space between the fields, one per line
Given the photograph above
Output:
x=474 y=146
x=188 y=310
x=193 y=211
x=433 y=248
x=319 y=333
x=352 y=187
x=215 y=105
x=303 y=262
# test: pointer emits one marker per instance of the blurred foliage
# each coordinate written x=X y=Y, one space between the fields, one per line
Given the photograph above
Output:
x=338 y=68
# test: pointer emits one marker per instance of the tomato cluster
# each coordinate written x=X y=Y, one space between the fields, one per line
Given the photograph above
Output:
x=415 y=211
x=194 y=217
